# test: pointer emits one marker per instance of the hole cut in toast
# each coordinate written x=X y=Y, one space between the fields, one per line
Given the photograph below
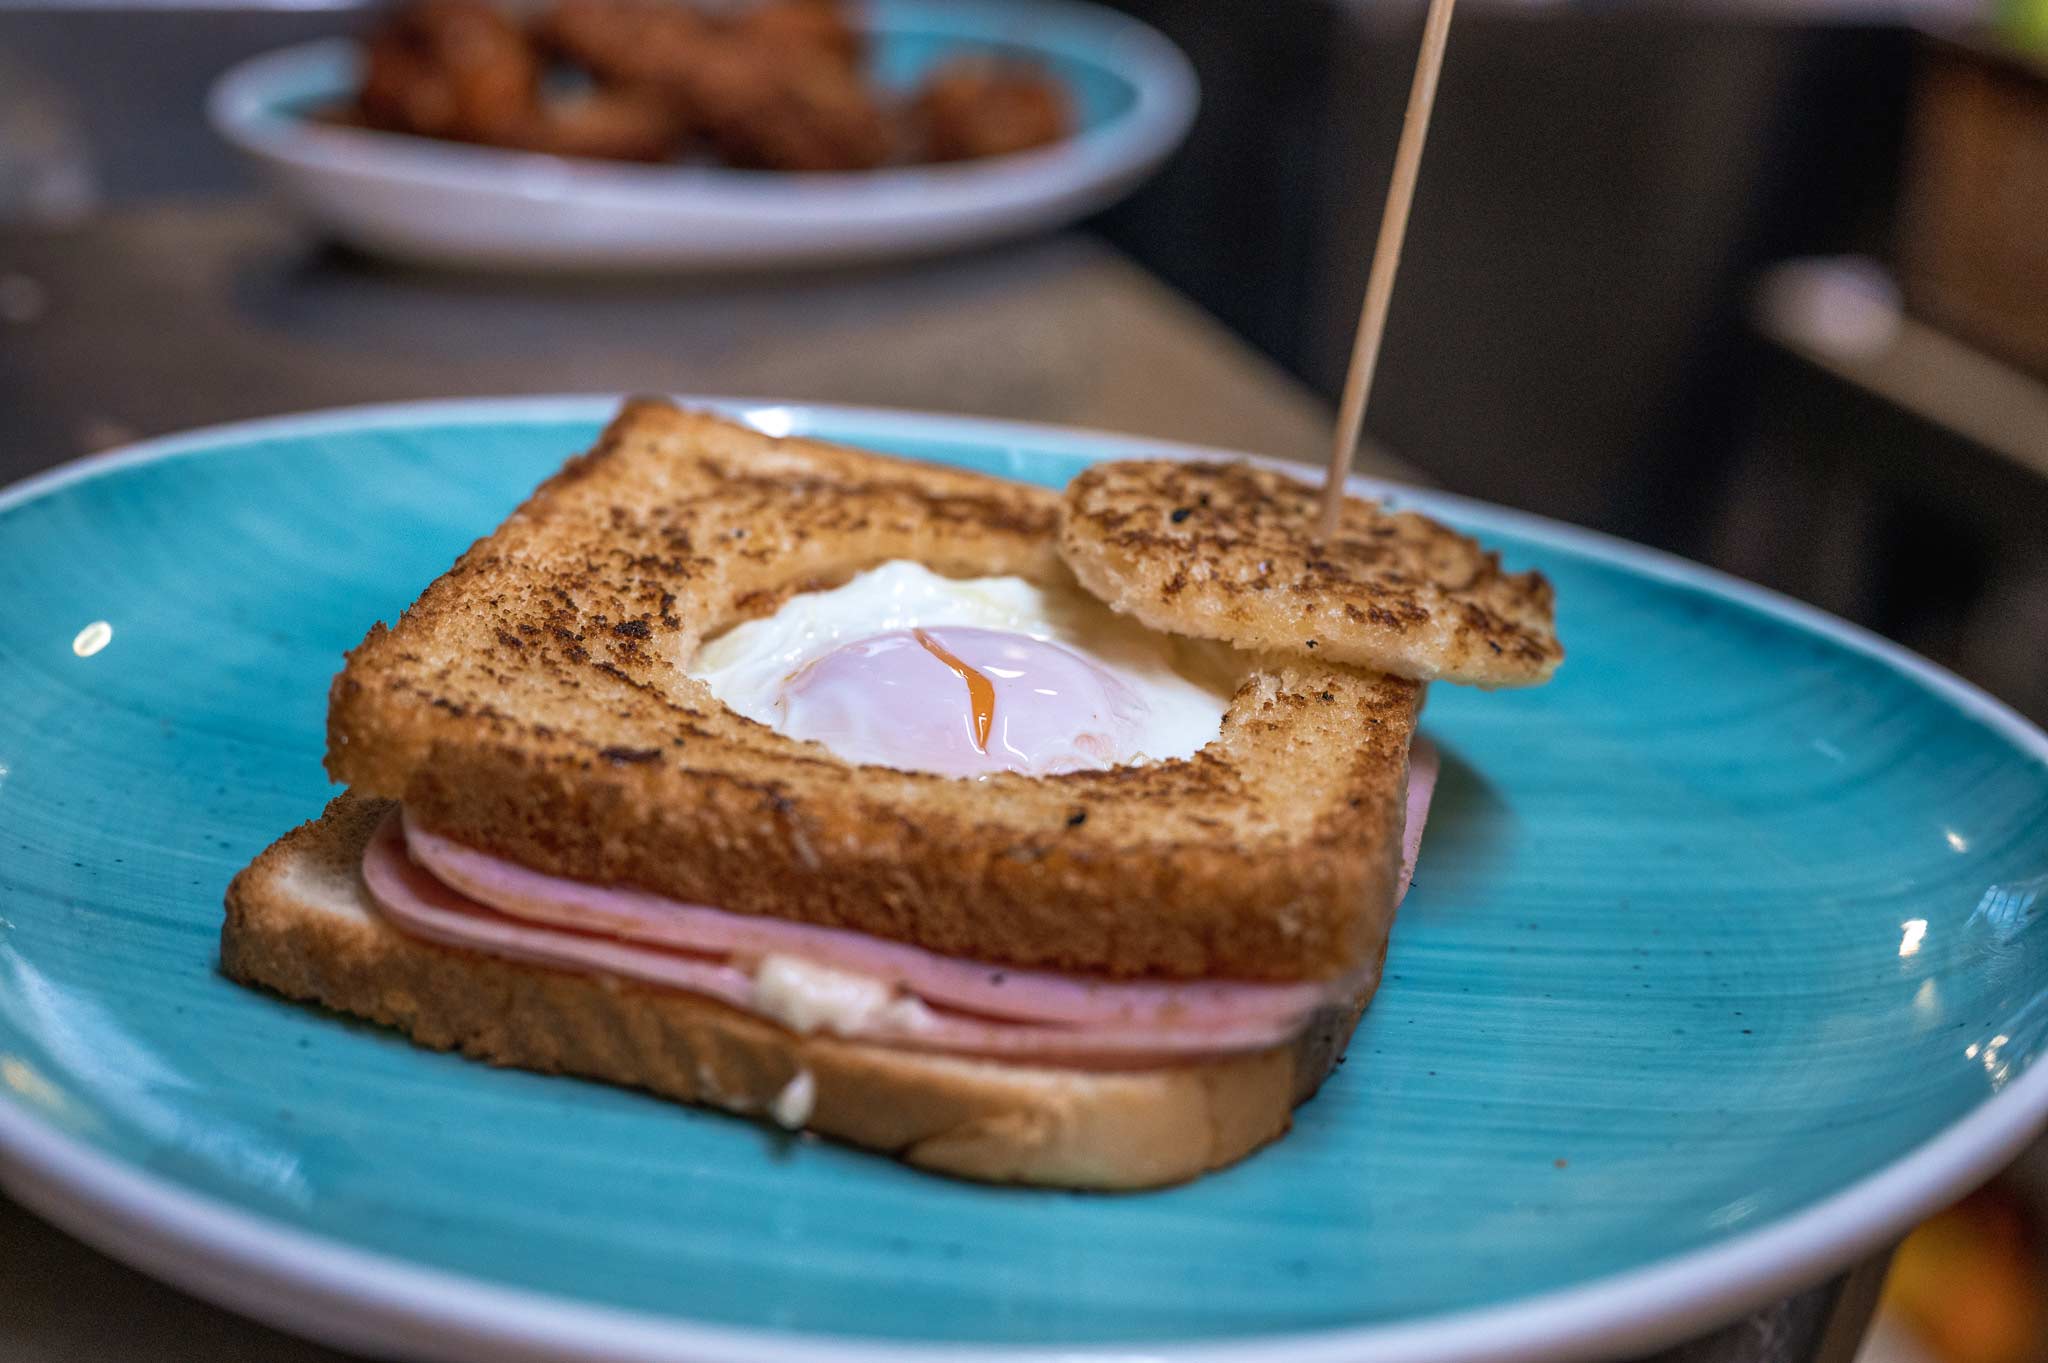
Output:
x=535 y=702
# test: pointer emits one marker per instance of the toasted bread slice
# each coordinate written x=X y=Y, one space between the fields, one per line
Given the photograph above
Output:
x=1233 y=552
x=533 y=703
x=300 y=922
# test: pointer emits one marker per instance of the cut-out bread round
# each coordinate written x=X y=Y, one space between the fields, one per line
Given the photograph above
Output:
x=533 y=703
x=1233 y=552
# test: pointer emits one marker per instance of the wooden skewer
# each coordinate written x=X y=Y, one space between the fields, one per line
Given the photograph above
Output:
x=1386 y=258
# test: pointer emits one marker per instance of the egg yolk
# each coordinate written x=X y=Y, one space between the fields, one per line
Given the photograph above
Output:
x=961 y=701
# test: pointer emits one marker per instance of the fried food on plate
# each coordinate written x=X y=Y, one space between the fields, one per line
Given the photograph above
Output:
x=774 y=88
x=975 y=106
x=774 y=85
x=824 y=26
x=631 y=44
x=450 y=68
x=802 y=109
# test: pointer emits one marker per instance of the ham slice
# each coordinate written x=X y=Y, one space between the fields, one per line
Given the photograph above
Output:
x=440 y=890
x=420 y=904
x=1422 y=770
x=996 y=991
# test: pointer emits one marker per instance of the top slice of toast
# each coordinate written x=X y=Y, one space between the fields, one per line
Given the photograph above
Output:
x=533 y=703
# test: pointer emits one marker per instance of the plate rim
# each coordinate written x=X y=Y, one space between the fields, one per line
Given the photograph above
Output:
x=309 y=1283
x=1167 y=95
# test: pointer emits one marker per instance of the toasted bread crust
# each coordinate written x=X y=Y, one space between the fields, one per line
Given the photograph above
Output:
x=533 y=703
x=300 y=922
x=1233 y=552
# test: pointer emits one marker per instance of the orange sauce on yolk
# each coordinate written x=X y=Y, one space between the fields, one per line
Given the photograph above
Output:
x=981 y=692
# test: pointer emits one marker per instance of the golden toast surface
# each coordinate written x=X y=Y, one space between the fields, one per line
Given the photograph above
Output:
x=533 y=703
x=1232 y=552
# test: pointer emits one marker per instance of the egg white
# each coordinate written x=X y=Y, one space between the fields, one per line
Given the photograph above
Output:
x=1184 y=686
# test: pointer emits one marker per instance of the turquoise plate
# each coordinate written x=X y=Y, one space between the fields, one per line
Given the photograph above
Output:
x=1724 y=963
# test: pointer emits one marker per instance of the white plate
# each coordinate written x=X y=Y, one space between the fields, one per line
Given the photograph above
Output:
x=445 y=203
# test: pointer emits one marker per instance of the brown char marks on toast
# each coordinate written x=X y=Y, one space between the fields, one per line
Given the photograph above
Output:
x=533 y=703
x=1234 y=552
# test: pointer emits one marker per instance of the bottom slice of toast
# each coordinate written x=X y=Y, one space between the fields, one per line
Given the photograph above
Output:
x=301 y=922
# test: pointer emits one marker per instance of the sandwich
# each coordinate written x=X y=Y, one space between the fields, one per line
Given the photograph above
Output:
x=1028 y=836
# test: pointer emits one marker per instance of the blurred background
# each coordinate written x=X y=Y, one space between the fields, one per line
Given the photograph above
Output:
x=1762 y=282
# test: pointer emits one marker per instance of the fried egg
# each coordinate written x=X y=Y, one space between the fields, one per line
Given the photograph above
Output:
x=904 y=668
